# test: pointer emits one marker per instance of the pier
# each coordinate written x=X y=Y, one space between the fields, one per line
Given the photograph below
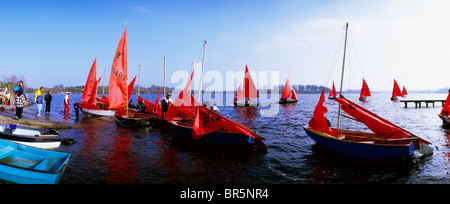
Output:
x=418 y=103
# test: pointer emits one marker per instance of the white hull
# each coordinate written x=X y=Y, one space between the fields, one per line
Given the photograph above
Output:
x=41 y=145
x=91 y=112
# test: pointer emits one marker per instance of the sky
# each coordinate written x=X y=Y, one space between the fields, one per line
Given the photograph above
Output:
x=55 y=42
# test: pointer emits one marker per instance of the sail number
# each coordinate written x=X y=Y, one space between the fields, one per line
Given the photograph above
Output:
x=118 y=74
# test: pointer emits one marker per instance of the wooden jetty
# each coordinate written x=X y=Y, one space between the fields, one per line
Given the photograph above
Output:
x=418 y=103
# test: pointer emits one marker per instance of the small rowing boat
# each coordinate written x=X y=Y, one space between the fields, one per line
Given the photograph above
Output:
x=28 y=165
x=34 y=137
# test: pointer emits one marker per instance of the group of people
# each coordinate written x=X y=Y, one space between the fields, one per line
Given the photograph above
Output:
x=21 y=99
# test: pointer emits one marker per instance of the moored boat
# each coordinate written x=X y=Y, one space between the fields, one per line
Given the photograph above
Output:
x=34 y=137
x=28 y=165
x=386 y=141
x=444 y=115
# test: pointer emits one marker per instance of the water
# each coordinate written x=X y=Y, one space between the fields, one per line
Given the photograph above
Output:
x=107 y=153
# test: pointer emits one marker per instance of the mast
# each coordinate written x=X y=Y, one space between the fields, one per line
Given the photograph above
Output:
x=104 y=80
x=139 y=81
x=164 y=76
x=342 y=75
x=201 y=73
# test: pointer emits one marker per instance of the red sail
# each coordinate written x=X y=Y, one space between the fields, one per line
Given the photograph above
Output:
x=333 y=91
x=378 y=125
x=250 y=90
x=396 y=91
x=93 y=98
x=287 y=89
x=446 y=105
x=183 y=96
x=238 y=95
x=118 y=78
x=90 y=82
x=207 y=121
x=319 y=122
x=404 y=92
x=130 y=87
x=364 y=90
x=294 y=95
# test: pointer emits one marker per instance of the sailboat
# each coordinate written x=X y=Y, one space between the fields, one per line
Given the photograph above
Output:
x=194 y=122
x=396 y=91
x=90 y=103
x=120 y=92
x=332 y=93
x=287 y=93
x=404 y=92
x=365 y=91
x=386 y=141
x=445 y=112
x=250 y=92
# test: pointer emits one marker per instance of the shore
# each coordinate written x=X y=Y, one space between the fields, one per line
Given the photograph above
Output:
x=55 y=120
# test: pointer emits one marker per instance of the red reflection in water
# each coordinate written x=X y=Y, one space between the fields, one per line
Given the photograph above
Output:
x=447 y=144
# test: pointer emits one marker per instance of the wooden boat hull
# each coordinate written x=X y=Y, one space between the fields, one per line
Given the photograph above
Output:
x=39 y=138
x=28 y=165
x=287 y=102
x=93 y=112
x=135 y=120
x=218 y=138
x=366 y=149
x=332 y=98
x=243 y=104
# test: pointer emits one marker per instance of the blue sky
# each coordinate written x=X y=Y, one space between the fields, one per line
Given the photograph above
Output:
x=55 y=42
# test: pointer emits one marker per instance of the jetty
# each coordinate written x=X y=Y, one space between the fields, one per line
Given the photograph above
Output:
x=418 y=103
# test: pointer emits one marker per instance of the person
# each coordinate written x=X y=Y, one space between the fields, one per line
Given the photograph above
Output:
x=445 y=116
x=39 y=100
x=48 y=101
x=131 y=104
x=141 y=106
x=66 y=104
x=18 y=87
x=165 y=102
x=19 y=103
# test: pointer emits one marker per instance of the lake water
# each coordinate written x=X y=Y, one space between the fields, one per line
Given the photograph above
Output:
x=107 y=153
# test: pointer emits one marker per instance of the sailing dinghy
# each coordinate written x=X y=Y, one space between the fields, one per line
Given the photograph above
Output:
x=194 y=122
x=404 y=92
x=250 y=92
x=90 y=105
x=396 y=92
x=365 y=91
x=386 y=141
x=287 y=94
x=333 y=93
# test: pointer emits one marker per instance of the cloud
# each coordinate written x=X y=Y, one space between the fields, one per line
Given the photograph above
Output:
x=140 y=9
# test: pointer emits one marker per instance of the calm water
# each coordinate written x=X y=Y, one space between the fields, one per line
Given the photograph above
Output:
x=107 y=153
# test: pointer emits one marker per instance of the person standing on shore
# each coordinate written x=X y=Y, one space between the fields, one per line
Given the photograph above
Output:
x=18 y=87
x=66 y=104
x=48 y=101
x=39 y=100
x=19 y=103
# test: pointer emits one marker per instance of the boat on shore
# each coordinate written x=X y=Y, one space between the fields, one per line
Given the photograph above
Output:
x=34 y=137
x=23 y=164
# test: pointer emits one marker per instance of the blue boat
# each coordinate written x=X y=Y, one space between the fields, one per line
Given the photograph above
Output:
x=23 y=164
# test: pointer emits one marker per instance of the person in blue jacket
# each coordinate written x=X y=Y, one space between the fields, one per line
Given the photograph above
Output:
x=39 y=100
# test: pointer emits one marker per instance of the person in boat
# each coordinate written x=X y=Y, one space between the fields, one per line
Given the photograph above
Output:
x=446 y=118
x=215 y=108
x=19 y=103
x=165 y=102
x=48 y=100
x=66 y=103
x=141 y=106
x=283 y=99
x=131 y=104
x=39 y=100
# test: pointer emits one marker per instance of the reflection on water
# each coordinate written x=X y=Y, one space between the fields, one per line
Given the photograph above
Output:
x=108 y=153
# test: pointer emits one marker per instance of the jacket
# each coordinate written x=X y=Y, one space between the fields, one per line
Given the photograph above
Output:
x=38 y=98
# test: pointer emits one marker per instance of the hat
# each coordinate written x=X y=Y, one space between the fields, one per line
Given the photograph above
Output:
x=169 y=94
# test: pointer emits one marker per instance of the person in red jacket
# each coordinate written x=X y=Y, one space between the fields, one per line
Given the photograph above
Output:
x=66 y=104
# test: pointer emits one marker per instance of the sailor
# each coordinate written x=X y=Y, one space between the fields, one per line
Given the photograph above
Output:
x=141 y=106
x=165 y=102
